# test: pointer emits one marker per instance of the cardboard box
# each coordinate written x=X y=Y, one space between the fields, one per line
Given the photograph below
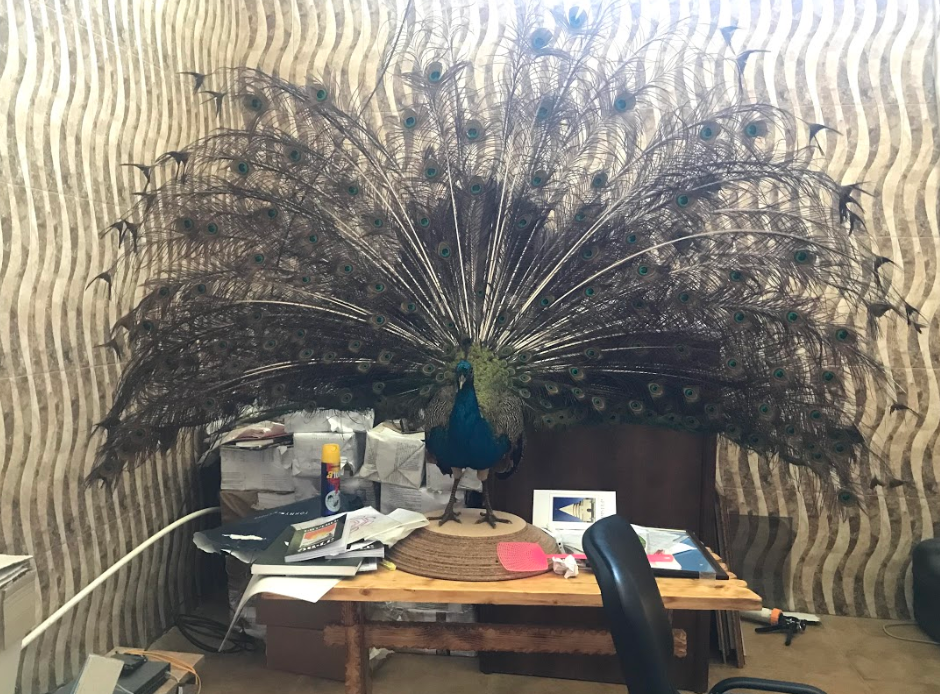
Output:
x=327 y=420
x=297 y=613
x=267 y=470
x=439 y=482
x=393 y=457
x=303 y=651
x=421 y=500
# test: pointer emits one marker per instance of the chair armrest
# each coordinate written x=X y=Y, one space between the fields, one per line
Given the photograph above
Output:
x=753 y=684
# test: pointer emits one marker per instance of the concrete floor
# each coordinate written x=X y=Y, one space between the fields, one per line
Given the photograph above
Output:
x=843 y=656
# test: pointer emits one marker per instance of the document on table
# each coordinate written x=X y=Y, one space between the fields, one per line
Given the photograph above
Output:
x=306 y=589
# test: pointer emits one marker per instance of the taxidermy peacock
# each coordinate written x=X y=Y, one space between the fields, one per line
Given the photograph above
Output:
x=573 y=226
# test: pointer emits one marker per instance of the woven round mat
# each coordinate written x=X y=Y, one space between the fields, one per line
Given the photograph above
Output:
x=466 y=551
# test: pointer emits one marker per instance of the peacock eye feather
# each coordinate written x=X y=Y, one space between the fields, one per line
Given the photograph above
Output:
x=732 y=363
x=793 y=317
x=424 y=222
x=353 y=189
x=625 y=101
x=272 y=213
x=589 y=291
x=410 y=122
x=802 y=257
x=540 y=39
x=187 y=223
x=294 y=155
x=683 y=200
x=539 y=178
x=828 y=376
x=378 y=222
x=842 y=334
x=815 y=414
x=735 y=276
x=430 y=171
x=522 y=223
x=780 y=374
x=253 y=102
x=243 y=167
x=589 y=253
x=313 y=239
x=632 y=238
x=321 y=94
x=476 y=189
x=546 y=300
x=212 y=228
x=434 y=72
x=444 y=250
x=707 y=132
x=201 y=289
x=751 y=130
x=577 y=17
x=739 y=317
x=599 y=180
x=643 y=270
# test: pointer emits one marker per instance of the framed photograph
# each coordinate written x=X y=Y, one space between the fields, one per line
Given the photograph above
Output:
x=565 y=509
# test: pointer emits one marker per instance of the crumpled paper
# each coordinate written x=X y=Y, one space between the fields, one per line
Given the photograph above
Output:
x=566 y=566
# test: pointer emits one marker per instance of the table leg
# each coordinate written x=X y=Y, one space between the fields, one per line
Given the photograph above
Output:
x=358 y=678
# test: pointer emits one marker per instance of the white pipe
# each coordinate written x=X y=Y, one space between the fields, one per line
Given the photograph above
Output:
x=79 y=596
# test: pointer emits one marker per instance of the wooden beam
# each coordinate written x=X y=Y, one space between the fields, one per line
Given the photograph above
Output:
x=517 y=638
x=358 y=677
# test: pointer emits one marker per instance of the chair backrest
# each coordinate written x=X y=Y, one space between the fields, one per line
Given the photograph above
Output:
x=639 y=624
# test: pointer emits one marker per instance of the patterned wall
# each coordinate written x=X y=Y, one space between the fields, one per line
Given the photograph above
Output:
x=86 y=85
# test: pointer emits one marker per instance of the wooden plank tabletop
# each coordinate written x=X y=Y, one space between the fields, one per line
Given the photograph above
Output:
x=546 y=589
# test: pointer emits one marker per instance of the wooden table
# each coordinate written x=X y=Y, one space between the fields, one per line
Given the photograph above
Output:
x=358 y=634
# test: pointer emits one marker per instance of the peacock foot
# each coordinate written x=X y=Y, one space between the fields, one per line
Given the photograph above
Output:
x=489 y=517
x=448 y=515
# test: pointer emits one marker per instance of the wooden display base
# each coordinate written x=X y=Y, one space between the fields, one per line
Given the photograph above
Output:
x=466 y=551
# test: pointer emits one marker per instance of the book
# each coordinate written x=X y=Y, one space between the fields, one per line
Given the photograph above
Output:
x=363 y=550
x=318 y=538
x=274 y=562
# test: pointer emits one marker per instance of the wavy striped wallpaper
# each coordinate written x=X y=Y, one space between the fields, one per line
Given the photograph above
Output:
x=86 y=85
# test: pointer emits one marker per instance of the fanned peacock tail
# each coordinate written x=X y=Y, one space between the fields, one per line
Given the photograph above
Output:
x=611 y=235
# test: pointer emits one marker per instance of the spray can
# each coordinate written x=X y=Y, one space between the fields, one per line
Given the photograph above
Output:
x=330 y=471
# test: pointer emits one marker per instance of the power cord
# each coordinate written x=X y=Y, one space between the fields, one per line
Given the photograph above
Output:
x=208 y=634
x=929 y=642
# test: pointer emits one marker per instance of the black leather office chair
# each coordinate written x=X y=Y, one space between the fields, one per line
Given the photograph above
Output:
x=639 y=624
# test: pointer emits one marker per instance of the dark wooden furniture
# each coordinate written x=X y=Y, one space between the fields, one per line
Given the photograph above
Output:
x=662 y=478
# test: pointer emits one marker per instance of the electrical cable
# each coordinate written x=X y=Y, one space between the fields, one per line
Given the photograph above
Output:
x=110 y=571
x=929 y=642
x=202 y=631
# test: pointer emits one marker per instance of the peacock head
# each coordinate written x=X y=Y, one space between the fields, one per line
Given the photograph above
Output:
x=463 y=373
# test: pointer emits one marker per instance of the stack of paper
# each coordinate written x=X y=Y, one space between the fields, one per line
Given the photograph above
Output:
x=339 y=545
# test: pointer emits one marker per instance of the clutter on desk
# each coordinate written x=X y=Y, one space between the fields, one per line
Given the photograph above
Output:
x=527 y=557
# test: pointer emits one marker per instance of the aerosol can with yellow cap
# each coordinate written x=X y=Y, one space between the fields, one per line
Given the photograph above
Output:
x=330 y=472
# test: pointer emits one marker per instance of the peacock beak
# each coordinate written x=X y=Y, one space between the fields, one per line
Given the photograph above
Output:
x=461 y=379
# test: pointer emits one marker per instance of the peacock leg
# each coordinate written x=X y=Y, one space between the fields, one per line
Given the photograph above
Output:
x=488 y=516
x=449 y=513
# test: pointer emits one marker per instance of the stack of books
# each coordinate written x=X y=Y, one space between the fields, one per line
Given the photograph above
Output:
x=340 y=546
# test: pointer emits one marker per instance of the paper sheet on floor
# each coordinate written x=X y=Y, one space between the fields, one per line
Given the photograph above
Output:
x=306 y=589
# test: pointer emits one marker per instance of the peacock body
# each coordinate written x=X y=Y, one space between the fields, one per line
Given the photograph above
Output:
x=569 y=229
